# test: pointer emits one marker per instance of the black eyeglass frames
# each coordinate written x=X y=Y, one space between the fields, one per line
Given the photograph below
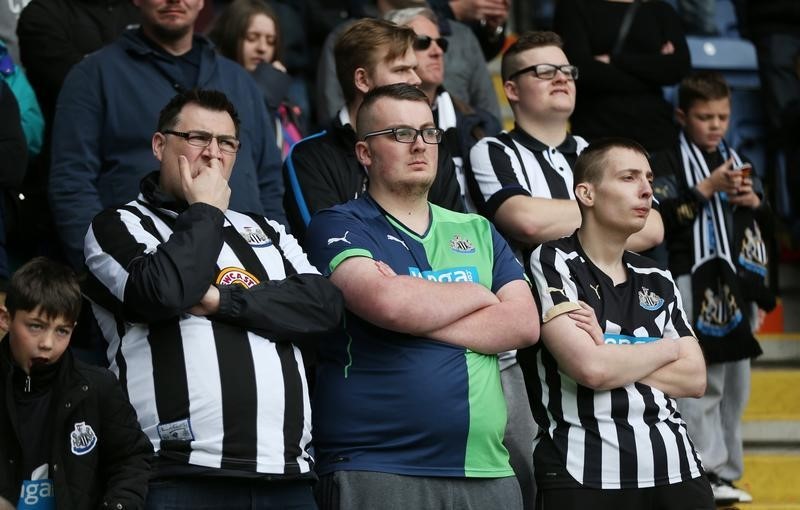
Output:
x=431 y=135
x=548 y=71
x=226 y=143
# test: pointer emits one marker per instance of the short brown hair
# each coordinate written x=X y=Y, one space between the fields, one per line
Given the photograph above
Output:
x=361 y=45
x=213 y=100
x=702 y=86
x=527 y=41
x=231 y=26
x=399 y=91
x=593 y=160
x=47 y=285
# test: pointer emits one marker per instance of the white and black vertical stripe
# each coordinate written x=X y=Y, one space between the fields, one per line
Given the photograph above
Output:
x=243 y=398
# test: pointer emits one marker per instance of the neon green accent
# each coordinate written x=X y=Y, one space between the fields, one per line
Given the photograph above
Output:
x=445 y=225
x=346 y=254
x=486 y=457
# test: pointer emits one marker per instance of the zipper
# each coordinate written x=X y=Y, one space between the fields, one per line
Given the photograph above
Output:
x=28 y=384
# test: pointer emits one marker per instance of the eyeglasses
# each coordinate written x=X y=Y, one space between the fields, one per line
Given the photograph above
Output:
x=548 y=71
x=227 y=144
x=431 y=136
x=423 y=42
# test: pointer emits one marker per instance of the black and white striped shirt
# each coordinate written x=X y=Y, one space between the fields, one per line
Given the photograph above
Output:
x=216 y=391
x=544 y=172
x=627 y=437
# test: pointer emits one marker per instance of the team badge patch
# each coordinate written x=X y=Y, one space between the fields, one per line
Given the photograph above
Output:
x=649 y=300
x=461 y=245
x=236 y=276
x=82 y=439
x=255 y=237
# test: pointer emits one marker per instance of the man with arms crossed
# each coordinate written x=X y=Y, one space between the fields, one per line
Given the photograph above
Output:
x=617 y=350
x=409 y=410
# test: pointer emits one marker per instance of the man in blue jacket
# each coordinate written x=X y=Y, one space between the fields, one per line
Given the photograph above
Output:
x=105 y=112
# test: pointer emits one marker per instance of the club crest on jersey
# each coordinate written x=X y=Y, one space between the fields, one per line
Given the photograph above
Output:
x=255 y=237
x=461 y=245
x=719 y=312
x=82 y=439
x=236 y=276
x=649 y=300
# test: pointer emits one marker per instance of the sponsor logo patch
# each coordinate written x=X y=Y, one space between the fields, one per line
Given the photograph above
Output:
x=236 y=276
x=455 y=274
x=82 y=439
x=461 y=245
x=180 y=430
x=255 y=237
x=649 y=300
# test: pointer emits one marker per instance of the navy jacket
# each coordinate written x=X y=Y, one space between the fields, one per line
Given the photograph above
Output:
x=105 y=117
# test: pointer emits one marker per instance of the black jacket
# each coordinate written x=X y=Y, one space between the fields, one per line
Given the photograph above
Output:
x=114 y=474
x=322 y=171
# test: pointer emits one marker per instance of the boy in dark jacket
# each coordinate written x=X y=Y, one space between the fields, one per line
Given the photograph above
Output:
x=69 y=439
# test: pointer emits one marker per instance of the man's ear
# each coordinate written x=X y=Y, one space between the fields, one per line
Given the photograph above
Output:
x=5 y=318
x=680 y=116
x=361 y=80
x=158 y=142
x=585 y=193
x=510 y=88
x=363 y=153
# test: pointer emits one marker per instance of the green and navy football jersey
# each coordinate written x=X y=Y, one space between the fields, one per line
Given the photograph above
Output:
x=392 y=402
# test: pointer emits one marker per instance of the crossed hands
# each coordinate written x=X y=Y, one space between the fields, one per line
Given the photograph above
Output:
x=586 y=320
x=493 y=12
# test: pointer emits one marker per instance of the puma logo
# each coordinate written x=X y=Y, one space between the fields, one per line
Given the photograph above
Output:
x=339 y=239
x=553 y=289
x=596 y=289
x=397 y=240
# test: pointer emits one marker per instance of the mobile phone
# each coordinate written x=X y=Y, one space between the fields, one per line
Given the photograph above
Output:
x=745 y=168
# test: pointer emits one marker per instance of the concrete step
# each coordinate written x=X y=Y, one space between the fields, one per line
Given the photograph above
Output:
x=779 y=348
x=772 y=416
x=772 y=477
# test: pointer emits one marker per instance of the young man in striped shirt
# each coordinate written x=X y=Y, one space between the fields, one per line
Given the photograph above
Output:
x=202 y=308
x=616 y=351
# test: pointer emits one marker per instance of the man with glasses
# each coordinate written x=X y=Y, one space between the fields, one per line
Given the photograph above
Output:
x=103 y=120
x=525 y=175
x=203 y=308
x=408 y=409
x=322 y=170
x=462 y=125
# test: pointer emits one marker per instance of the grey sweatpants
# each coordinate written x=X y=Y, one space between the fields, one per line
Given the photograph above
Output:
x=714 y=421
x=367 y=490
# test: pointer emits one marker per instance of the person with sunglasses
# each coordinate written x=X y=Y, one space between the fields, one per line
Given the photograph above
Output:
x=463 y=126
x=322 y=170
x=408 y=408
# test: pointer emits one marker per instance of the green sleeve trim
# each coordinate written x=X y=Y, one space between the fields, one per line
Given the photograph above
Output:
x=341 y=257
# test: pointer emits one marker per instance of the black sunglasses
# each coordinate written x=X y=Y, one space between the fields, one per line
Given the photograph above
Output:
x=423 y=42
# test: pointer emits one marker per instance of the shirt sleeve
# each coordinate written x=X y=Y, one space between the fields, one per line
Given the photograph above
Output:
x=497 y=170
x=335 y=236
x=506 y=267
x=556 y=290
